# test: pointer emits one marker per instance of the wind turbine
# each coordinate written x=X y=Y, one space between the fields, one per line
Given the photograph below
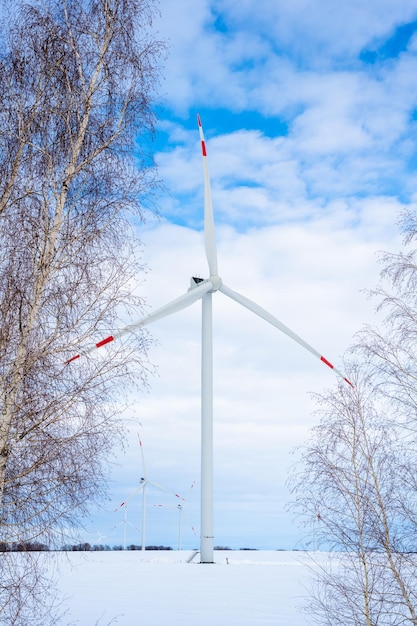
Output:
x=203 y=289
x=100 y=538
x=180 y=509
x=142 y=487
x=125 y=522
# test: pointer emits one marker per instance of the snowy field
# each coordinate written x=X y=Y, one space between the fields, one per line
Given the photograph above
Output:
x=155 y=588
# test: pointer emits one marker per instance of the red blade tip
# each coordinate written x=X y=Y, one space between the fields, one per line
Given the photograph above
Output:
x=104 y=341
x=73 y=358
x=326 y=362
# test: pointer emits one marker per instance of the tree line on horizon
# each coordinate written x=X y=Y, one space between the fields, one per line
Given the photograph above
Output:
x=36 y=546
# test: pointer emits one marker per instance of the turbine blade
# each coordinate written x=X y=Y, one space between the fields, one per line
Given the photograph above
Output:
x=165 y=489
x=132 y=525
x=194 y=294
x=143 y=457
x=124 y=503
x=209 y=234
x=258 y=310
x=169 y=506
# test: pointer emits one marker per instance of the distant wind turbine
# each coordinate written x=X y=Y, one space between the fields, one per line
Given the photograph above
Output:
x=202 y=289
x=144 y=482
x=180 y=509
x=100 y=538
x=125 y=523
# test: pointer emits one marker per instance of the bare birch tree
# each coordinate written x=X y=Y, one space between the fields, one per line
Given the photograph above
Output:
x=358 y=473
x=352 y=487
x=77 y=86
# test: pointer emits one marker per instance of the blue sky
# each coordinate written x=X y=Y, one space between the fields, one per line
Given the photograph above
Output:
x=309 y=112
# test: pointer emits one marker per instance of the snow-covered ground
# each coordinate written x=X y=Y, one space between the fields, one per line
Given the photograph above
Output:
x=246 y=588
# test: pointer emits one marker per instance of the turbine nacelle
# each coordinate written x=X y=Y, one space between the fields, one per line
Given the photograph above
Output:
x=215 y=282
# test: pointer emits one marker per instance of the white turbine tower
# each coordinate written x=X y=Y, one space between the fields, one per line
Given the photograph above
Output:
x=203 y=290
x=142 y=487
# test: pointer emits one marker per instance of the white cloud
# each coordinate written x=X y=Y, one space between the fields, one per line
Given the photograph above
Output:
x=323 y=30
